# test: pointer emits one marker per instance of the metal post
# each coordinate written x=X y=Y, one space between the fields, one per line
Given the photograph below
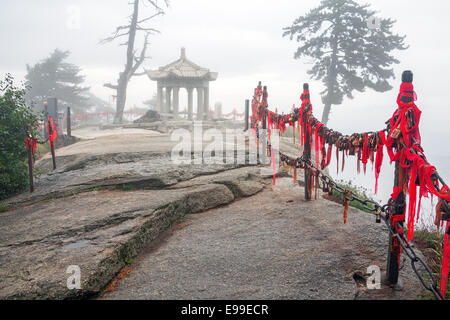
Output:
x=307 y=154
x=52 y=146
x=46 y=117
x=69 y=128
x=263 y=136
x=30 y=162
x=399 y=205
x=247 y=110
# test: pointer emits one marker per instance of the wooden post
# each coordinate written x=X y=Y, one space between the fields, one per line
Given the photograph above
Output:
x=30 y=162
x=247 y=110
x=69 y=128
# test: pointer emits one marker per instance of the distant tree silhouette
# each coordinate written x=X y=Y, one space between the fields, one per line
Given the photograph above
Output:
x=133 y=62
x=53 y=77
x=348 y=54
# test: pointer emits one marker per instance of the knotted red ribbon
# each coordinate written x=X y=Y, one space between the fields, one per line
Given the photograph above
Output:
x=31 y=144
x=365 y=152
x=317 y=144
x=52 y=131
x=379 y=158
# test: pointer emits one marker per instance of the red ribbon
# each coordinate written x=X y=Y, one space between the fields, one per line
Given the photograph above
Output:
x=317 y=142
x=329 y=152
x=365 y=152
x=52 y=131
x=379 y=159
x=31 y=143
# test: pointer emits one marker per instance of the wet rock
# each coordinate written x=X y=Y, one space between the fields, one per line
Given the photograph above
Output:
x=149 y=116
x=100 y=232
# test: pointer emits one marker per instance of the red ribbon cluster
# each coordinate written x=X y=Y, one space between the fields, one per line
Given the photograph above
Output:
x=31 y=144
x=52 y=132
x=404 y=123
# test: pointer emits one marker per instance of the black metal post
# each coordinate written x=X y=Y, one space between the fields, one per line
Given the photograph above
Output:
x=45 y=117
x=52 y=146
x=399 y=205
x=247 y=110
x=264 y=136
x=69 y=123
x=307 y=147
x=307 y=157
x=30 y=162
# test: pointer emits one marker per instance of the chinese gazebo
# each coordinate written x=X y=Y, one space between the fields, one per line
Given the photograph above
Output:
x=183 y=74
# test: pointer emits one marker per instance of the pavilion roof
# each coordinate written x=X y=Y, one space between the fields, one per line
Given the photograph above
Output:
x=182 y=69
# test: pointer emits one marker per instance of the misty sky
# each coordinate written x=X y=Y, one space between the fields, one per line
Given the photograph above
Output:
x=241 y=40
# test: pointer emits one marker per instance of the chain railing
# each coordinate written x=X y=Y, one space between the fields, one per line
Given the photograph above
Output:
x=393 y=212
x=381 y=212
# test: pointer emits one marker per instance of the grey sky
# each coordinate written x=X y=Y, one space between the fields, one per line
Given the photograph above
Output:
x=242 y=41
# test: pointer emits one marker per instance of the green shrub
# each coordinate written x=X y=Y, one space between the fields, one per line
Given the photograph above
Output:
x=359 y=192
x=15 y=117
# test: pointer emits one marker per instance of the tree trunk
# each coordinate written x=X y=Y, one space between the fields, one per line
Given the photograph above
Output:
x=332 y=78
x=125 y=76
x=121 y=99
x=326 y=113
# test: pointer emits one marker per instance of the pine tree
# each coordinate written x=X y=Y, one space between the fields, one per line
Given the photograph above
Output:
x=53 y=77
x=349 y=51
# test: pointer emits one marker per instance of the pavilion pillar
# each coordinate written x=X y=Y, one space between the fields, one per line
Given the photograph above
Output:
x=176 y=101
x=206 y=102
x=168 y=100
x=190 y=103
x=200 y=101
x=159 y=97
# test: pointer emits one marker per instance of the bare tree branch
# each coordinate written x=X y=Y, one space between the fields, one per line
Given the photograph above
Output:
x=111 y=86
x=133 y=62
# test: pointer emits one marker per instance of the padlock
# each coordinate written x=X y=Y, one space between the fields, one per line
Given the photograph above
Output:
x=396 y=133
x=378 y=216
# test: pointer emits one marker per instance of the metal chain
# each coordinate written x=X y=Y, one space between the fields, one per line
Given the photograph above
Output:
x=374 y=207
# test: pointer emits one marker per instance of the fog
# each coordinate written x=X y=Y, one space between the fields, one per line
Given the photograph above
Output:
x=242 y=41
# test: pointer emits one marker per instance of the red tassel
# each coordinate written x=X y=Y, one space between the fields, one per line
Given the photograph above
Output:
x=302 y=134
x=379 y=160
x=293 y=131
x=412 y=203
x=317 y=143
x=329 y=152
x=337 y=160
x=365 y=152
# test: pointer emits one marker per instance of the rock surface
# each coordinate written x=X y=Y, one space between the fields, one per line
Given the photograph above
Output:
x=149 y=116
x=270 y=246
x=97 y=231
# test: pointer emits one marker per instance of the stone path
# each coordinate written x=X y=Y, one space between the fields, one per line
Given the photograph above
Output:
x=273 y=245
